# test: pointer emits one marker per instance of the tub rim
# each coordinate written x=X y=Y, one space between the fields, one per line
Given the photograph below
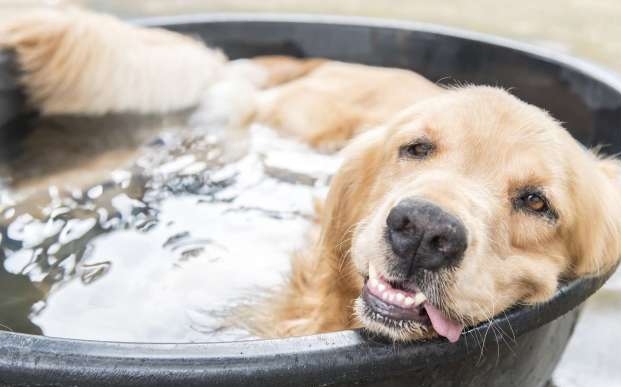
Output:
x=594 y=71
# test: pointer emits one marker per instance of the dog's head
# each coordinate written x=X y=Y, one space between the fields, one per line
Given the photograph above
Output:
x=465 y=205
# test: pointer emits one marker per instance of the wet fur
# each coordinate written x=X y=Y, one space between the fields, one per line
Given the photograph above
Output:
x=323 y=289
x=71 y=60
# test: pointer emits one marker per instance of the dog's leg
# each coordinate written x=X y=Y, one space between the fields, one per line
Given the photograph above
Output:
x=293 y=107
x=327 y=103
x=77 y=62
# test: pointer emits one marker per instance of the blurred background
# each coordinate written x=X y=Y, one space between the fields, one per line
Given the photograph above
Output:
x=587 y=29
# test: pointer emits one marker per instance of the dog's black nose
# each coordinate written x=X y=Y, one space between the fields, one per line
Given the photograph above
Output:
x=423 y=235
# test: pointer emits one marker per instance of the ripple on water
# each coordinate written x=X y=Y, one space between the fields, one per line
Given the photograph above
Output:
x=160 y=249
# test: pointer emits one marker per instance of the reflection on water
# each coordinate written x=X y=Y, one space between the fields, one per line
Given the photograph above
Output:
x=134 y=229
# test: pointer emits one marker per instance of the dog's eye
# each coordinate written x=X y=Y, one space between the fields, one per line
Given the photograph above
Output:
x=417 y=150
x=534 y=201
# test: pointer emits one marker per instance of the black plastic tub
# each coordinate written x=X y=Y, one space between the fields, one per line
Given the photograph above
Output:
x=521 y=348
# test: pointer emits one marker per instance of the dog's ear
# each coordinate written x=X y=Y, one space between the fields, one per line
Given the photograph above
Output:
x=596 y=239
x=350 y=190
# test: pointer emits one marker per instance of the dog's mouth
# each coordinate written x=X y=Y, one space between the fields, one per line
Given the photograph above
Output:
x=400 y=308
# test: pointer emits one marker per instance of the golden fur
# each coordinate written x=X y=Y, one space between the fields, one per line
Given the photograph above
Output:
x=65 y=57
x=488 y=147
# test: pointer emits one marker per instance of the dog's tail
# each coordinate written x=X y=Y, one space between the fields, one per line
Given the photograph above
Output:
x=77 y=62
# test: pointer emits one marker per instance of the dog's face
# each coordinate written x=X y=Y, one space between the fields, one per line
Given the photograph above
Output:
x=465 y=205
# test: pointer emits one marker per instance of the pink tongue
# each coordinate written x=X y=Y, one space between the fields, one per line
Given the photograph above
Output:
x=445 y=327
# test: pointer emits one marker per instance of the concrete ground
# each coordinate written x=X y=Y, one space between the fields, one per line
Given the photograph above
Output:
x=589 y=29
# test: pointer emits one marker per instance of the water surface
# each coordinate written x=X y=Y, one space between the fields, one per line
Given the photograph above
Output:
x=146 y=229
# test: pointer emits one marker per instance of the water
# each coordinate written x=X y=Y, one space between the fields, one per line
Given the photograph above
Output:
x=147 y=229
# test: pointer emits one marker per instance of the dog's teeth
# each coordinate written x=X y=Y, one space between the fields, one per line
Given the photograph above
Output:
x=419 y=298
x=391 y=297
x=385 y=296
x=409 y=301
x=372 y=272
x=373 y=282
x=381 y=287
x=399 y=297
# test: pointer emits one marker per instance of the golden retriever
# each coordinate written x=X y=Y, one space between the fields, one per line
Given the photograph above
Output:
x=451 y=206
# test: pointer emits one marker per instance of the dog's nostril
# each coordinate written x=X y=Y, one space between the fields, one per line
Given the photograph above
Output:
x=403 y=224
x=441 y=244
x=398 y=221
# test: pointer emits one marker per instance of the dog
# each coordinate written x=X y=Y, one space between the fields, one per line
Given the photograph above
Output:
x=451 y=206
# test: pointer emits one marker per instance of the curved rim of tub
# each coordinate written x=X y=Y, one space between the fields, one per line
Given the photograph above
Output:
x=322 y=359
